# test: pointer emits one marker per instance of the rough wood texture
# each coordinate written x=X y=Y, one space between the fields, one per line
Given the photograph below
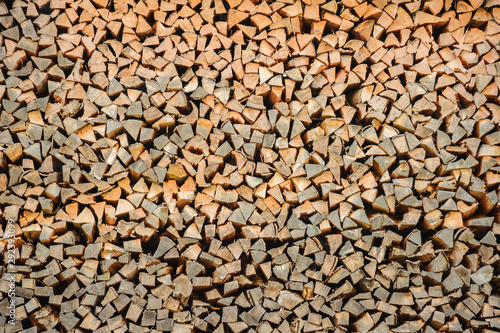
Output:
x=250 y=166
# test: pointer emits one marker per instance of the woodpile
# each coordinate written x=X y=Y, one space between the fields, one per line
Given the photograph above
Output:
x=250 y=166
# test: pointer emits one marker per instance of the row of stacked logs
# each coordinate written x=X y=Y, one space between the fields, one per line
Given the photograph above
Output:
x=250 y=166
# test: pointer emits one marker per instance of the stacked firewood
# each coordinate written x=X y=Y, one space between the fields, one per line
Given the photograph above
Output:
x=250 y=166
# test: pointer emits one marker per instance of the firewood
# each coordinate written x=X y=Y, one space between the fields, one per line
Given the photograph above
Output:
x=249 y=166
